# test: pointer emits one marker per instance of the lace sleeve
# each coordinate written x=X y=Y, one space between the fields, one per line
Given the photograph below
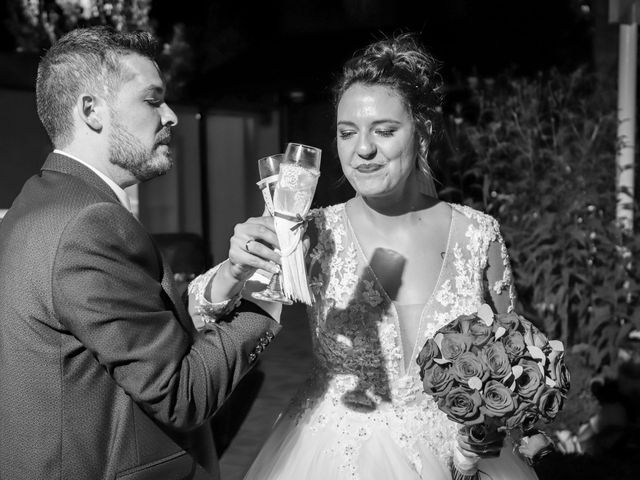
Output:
x=206 y=311
x=498 y=274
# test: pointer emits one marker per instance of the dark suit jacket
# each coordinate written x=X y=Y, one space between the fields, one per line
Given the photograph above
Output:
x=102 y=374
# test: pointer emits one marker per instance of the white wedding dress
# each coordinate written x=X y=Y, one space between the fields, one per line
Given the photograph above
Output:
x=362 y=414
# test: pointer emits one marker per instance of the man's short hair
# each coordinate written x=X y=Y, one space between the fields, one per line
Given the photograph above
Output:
x=85 y=59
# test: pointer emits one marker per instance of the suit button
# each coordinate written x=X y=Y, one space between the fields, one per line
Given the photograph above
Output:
x=258 y=349
x=252 y=357
x=264 y=341
x=269 y=335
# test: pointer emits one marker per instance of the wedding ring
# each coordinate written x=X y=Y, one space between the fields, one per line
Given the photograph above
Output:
x=246 y=245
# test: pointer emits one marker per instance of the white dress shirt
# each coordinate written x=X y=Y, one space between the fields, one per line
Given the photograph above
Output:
x=120 y=193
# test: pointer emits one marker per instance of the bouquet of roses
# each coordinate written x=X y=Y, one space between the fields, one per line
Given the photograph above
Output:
x=494 y=374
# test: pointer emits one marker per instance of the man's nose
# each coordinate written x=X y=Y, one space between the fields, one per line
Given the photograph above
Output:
x=168 y=116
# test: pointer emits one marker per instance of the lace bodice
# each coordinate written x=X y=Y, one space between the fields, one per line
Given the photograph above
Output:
x=360 y=381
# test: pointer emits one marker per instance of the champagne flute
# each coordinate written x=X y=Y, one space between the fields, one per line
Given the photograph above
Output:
x=268 y=169
x=299 y=172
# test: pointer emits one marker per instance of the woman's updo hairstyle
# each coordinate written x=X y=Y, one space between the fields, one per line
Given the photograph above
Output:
x=402 y=64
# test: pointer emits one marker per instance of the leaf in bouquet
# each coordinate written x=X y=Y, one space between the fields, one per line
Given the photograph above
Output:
x=556 y=345
x=486 y=314
x=500 y=331
x=550 y=382
x=536 y=353
x=475 y=383
x=441 y=361
x=517 y=371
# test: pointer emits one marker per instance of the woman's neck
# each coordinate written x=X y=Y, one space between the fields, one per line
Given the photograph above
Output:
x=395 y=206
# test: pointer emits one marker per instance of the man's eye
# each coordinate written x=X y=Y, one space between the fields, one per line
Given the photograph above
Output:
x=154 y=102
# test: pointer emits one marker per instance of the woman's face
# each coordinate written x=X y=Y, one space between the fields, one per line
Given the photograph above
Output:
x=376 y=140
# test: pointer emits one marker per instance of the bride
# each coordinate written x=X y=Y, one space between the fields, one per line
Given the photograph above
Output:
x=387 y=269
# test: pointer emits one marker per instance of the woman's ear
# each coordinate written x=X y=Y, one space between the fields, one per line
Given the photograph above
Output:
x=90 y=111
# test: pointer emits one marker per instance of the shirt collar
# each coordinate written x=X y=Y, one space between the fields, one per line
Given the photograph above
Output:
x=120 y=193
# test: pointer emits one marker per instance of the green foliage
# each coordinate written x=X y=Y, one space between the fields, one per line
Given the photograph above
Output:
x=539 y=155
x=36 y=25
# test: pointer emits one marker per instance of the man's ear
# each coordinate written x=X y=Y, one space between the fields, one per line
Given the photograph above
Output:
x=92 y=111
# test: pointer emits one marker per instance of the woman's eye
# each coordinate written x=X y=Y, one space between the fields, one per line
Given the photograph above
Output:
x=153 y=102
x=346 y=134
x=385 y=133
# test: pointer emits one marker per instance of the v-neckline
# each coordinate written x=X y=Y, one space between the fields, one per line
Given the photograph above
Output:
x=429 y=300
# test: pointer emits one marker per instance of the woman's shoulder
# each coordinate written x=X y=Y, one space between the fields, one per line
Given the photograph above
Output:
x=476 y=217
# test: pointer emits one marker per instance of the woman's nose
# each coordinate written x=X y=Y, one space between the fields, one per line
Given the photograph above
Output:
x=366 y=148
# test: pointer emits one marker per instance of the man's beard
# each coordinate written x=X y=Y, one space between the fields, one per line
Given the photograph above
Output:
x=145 y=164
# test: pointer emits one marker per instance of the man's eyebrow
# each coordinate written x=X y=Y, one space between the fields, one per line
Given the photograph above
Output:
x=154 y=90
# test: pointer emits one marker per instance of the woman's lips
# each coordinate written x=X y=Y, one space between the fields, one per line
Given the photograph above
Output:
x=368 y=167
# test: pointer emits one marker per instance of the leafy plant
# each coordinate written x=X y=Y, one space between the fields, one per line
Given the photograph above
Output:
x=36 y=25
x=538 y=154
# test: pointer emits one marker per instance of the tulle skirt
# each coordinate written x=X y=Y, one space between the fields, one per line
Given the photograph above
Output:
x=295 y=451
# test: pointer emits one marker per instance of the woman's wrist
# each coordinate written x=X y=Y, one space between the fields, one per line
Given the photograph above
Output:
x=225 y=284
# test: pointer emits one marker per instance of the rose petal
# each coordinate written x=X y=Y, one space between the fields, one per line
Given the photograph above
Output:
x=550 y=382
x=500 y=331
x=438 y=339
x=486 y=314
x=475 y=383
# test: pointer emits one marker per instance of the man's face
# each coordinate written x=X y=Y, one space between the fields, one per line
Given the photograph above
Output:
x=141 y=121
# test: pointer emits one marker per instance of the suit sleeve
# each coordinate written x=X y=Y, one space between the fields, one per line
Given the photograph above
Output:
x=107 y=291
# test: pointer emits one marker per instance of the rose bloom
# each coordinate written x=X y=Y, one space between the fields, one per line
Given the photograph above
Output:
x=427 y=354
x=549 y=401
x=498 y=399
x=514 y=345
x=453 y=345
x=531 y=379
x=462 y=406
x=524 y=417
x=469 y=365
x=480 y=332
x=497 y=360
x=558 y=370
x=436 y=380
x=533 y=336
x=509 y=321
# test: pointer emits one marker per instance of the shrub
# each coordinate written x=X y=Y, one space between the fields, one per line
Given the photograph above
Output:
x=539 y=155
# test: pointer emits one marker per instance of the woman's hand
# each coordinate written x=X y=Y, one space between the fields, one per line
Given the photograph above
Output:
x=489 y=446
x=253 y=246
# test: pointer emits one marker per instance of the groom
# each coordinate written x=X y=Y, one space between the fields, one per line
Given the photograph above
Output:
x=102 y=373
